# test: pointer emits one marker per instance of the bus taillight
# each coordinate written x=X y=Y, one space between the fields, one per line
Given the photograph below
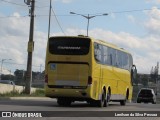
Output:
x=89 y=80
x=46 y=78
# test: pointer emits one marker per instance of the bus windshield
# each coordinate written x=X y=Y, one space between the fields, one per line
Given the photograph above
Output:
x=69 y=46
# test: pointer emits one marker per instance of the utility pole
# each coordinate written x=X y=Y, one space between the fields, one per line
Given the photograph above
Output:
x=28 y=79
x=49 y=22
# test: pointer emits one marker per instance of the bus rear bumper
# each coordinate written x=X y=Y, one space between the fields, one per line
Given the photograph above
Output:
x=84 y=92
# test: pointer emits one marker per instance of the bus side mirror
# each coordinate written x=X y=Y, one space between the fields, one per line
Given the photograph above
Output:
x=134 y=69
x=133 y=73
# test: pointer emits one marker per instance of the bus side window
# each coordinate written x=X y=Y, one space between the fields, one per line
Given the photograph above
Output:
x=109 y=54
x=105 y=56
x=114 y=62
x=119 y=59
x=112 y=56
x=97 y=52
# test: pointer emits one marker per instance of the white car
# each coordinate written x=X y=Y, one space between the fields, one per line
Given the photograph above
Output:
x=7 y=82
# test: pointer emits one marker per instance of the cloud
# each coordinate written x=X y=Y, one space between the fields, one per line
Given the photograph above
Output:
x=113 y=16
x=14 y=38
x=154 y=13
x=153 y=1
x=153 y=23
x=10 y=26
x=131 y=18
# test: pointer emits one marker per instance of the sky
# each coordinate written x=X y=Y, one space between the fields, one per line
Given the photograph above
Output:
x=132 y=25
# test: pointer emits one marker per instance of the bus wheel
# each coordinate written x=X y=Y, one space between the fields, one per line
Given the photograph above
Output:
x=108 y=99
x=102 y=102
x=123 y=102
x=63 y=102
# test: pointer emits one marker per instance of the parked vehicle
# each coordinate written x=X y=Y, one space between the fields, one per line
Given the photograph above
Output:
x=146 y=95
x=7 y=82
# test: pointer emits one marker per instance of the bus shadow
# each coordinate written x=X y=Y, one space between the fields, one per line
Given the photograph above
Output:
x=49 y=104
x=83 y=105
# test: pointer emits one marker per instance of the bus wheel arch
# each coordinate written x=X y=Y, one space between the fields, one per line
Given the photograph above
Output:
x=123 y=102
x=109 y=90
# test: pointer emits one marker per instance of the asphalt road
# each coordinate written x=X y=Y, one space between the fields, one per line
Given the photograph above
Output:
x=39 y=104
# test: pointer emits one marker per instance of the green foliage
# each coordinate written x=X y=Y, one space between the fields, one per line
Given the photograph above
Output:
x=11 y=94
x=7 y=77
x=145 y=80
x=37 y=93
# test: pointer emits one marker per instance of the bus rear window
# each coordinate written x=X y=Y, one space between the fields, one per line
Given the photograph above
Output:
x=69 y=46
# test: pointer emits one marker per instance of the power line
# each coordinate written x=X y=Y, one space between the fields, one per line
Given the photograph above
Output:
x=35 y=16
x=58 y=21
x=131 y=11
x=42 y=6
x=13 y=16
x=12 y=2
x=136 y=10
x=22 y=4
x=40 y=1
x=117 y=12
x=67 y=15
x=55 y=15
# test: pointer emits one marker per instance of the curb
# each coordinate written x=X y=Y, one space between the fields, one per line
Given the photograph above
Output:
x=25 y=98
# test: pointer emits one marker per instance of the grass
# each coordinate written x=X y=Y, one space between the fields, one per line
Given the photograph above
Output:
x=37 y=93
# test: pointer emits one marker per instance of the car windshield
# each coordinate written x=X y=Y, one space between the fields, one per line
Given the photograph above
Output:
x=145 y=92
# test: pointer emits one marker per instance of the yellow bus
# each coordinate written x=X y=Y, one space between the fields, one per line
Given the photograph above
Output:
x=80 y=68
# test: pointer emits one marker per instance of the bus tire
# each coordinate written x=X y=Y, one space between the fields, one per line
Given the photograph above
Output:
x=93 y=103
x=102 y=101
x=64 y=102
x=123 y=102
x=107 y=99
x=138 y=101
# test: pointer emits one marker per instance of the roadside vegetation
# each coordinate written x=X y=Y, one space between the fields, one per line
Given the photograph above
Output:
x=37 y=93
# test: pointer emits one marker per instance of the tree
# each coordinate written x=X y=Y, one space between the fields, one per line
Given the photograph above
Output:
x=7 y=77
x=19 y=77
x=145 y=80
